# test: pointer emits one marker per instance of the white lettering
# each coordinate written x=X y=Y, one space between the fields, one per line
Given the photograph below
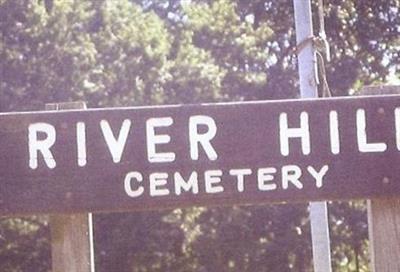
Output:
x=42 y=146
x=115 y=146
x=363 y=145
x=158 y=180
x=240 y=173
x=204 y=139
x=334 y=132
x=191 y=184
x=397 y=127
x=318 y=176
x=301 y=132
x=128 y=184
x=264 y=176
x=81 y=143
x=212 y=178
x=291 y=173
x=153 y=140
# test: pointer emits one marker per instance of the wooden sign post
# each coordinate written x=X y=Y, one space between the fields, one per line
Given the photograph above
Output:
x=71 y=235
x=384 y=215
x=123 y=159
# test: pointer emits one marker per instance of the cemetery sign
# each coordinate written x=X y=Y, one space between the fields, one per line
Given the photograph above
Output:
x=212 y=154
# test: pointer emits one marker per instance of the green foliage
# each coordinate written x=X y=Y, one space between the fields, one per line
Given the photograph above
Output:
x=349 y=233
x=366 y=41
x=237 y=47
x=132 y=49
x=141 y=52
x=24 y=244
x=47 y=58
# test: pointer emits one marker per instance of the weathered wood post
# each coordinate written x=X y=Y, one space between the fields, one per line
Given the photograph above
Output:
x=71 y=235
x=384 y=216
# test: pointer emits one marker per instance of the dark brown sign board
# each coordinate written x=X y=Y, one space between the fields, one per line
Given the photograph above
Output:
x=121 y=159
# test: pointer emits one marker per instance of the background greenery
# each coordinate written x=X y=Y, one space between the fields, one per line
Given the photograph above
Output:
x=144 y=52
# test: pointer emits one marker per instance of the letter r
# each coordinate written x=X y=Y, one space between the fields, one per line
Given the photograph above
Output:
x=42 y=146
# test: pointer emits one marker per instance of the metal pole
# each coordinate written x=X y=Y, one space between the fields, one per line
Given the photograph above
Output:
x=308 y=89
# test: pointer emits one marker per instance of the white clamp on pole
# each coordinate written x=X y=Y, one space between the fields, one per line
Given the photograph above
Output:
x=308 y=89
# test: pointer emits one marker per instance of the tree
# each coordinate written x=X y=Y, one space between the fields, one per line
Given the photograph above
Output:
x=24 y=244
